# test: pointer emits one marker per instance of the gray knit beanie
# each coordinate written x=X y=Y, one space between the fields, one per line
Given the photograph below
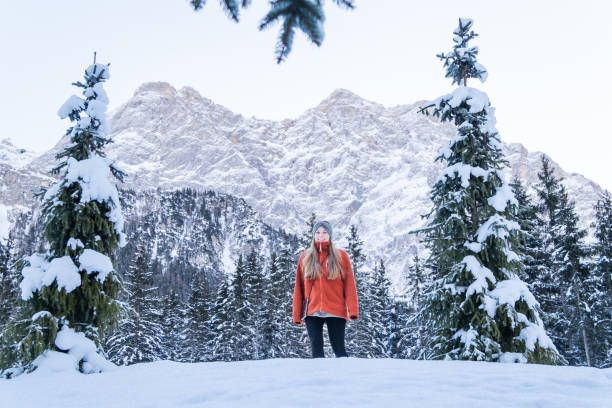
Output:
x=325 y=225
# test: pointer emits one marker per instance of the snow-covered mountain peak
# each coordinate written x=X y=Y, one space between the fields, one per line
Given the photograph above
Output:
x=192 y=95
x=15 y=156
x=160 y=88
x=341 y=95
x=349 y=160
x=157 y=96
x=346 y=103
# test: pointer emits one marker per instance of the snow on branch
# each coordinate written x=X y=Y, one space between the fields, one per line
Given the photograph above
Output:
x=93 y=261
x=464 y=171
x=498 y=226
x=481 y=274
x=73 y=105
x=508 y=292
x=42 y=273
x=502 y=197
x=475 y=99
x=62 y=270
x=77 y=348
x=92 y=175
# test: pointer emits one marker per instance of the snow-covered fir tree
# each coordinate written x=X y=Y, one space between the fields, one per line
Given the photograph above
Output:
x=477 y=308
x=561 y=279
x=411 y=337
x=599 y=296
x=72 y=289
x=543 y=279
x=8 y=282
x=172 y=322
x=380 y=312
x=307 y=237
x=237 y=331
x=359 y=332
x=290 y=337
x=399 y=328
x=196 y=328
x=10 y=303
x=569 y=260
x=272 y=300
x=139 y=336
x=221 y=343
x=532 y=253
x=254 y=307
x=280 y=337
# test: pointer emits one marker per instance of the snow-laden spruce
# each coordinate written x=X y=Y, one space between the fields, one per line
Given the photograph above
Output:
x=477 y=308
x=71 y=290
x=139 y=335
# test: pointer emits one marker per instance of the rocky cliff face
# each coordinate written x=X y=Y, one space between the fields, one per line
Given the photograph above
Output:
x=349 y=160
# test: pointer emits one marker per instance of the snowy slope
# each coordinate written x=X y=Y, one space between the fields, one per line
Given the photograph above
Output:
x=17 y=182
x=342 y=382
x=349 y=160
x=17 y=157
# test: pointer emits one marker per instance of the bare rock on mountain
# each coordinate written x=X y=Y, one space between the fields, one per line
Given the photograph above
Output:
x=349 y=160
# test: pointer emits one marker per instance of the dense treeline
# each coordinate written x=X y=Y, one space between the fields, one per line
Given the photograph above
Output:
x=206 y=315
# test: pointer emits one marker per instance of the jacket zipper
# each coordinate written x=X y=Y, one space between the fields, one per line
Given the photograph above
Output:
x=321 y=283
x=321 y=279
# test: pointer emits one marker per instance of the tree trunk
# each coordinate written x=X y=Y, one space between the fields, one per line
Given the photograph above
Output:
x=585 y=342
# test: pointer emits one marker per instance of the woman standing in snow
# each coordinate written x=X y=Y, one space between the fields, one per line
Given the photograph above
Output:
x=324 y=291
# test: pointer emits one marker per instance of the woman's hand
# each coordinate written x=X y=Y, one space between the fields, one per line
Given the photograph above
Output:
x=298 y=323
x=353 y=317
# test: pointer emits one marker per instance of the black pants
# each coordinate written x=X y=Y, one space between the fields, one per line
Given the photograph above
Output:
x=335 y=329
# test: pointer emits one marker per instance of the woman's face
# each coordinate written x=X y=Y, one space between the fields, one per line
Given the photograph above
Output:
x=321 y=235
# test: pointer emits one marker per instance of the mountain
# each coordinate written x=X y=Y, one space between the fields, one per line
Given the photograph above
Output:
x=188 y=232
x=185 y=233
x=349 y=160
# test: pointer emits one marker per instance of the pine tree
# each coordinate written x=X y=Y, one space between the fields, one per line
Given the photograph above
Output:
x=477 y=308
x=235 y=336
x=544 y=281
x=307 y=237
x=305 y=15
x=254 y=308
x=272 y=307
x=381 y=305
x=291 y=338
x=72 y=289
x=600 y=283
x=531 y=246
x=8 y=282
x=221 y=343
x=281 y=338
x=359 y=332
x=10 y=305
x=562 y=278
x=172 y=327
x=400 y=329
x=412 y=335
x=196 y=332
x=139 y=337
x=569 y=262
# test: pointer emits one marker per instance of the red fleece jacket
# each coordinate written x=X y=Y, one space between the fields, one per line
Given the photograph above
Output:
x=335 y=296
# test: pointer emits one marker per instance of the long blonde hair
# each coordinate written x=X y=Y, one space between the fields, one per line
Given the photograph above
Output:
x=312 y=268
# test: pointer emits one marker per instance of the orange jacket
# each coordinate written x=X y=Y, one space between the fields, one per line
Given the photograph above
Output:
x=337 y=296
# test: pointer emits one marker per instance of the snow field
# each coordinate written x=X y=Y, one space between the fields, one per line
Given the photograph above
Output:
x=331 y=382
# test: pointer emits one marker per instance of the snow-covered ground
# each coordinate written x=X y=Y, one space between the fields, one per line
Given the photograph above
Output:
x=331 y=382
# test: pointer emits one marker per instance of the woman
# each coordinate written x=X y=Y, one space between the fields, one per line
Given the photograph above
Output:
x=325 y=283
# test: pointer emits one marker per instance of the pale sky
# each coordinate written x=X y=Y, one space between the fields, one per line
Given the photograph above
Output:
x=549 y=63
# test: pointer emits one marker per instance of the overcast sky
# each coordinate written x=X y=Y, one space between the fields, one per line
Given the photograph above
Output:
x=549 y=63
